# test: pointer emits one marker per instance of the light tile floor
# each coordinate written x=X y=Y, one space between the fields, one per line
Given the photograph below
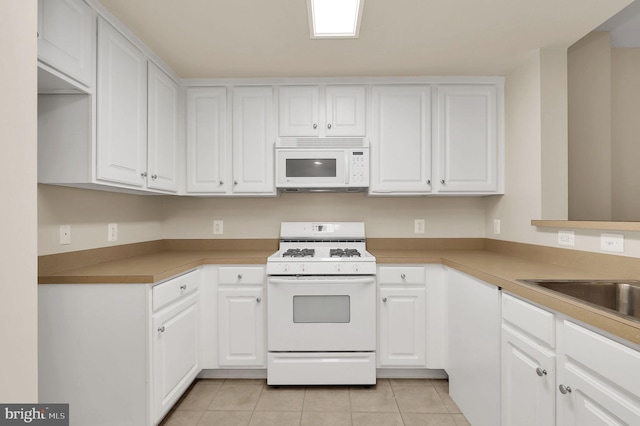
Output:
x=391 y=402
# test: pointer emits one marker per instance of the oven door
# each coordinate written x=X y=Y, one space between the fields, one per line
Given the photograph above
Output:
x=307 y=314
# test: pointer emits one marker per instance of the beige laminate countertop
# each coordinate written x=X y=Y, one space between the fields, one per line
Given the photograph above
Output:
x=494 y=268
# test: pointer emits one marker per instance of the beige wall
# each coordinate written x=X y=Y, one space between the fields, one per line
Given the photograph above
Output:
x=139 y=218
x=589 y=75
x=18 y=251
x=625 y=134
x=189 y=217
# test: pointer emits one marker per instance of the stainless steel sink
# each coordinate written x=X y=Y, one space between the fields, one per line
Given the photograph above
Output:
x=620 y=296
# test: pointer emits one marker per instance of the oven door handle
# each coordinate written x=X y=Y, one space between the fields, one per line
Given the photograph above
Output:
x=327 y=281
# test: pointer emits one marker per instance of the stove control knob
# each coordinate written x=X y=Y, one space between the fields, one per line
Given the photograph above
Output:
x=356 y=267
x=338 y=267
x=285 y=268
x=302 y=268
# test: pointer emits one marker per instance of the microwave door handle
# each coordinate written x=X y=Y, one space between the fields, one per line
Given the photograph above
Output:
x=347 y=171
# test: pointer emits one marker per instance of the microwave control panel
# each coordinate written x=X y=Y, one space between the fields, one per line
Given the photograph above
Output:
x=359 y=167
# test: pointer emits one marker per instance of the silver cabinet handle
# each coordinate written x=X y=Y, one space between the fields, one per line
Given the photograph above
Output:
x=564 y=389
x=239 y=276
x=258 y=299
x=143 y=174
x=541 y=372
x=403 y=276
x=235 y=182
x=315 y=126
x=428 y=181
x=442 y=181
x=161 y=329
x=384 y=299
x=154 y=177
x=221 y=182
x=329 y=126
x=183 y=287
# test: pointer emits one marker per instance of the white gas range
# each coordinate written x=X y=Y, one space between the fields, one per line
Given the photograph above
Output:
x=321 y=304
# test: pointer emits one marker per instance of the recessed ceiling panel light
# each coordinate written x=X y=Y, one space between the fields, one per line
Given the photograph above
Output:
x=334 y=18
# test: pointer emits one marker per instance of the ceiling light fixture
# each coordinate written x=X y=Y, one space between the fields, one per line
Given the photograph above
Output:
x=334 y=18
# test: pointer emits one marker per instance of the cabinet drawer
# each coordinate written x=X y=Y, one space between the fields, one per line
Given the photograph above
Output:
x=401 y=275
x=618 y=363
x=536 y=322
x=241 y=275
x=174 y=289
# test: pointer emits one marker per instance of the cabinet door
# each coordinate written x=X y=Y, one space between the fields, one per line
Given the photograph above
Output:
x=467 y=138
x=345 y=110
x=298 y=112
x=402 y=323
x=65 y=37
x=528 y=382
x=401 y=140
x=253 y=140
x=592 y=403
x=175 y=354
x=241 y=327
x=122 y=109
x=474 y=347
x=207 y=140
x=162 y=162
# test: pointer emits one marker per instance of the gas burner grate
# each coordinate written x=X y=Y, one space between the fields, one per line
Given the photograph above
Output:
x=306 y=252
x=344 y=253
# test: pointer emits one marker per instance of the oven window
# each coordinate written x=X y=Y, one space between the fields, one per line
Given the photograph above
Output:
x=321 y=309
x=311 y=167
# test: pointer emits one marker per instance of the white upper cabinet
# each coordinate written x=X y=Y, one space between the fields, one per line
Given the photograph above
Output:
x=207 y=140
x=163 y=125
x=66 y=37
x=240 y=161
x=468 y=129
x=253 y=140
x=401 y=140
x=122 y=109
x=337 y=110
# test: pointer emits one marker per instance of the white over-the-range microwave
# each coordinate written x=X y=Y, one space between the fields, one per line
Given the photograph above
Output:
x=322 y=164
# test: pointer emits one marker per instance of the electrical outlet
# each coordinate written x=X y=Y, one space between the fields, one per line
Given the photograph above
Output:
x=612 y=242
x=566 y=238
x=418 y=226
x=65 y=234
x=112 y=232
x=218 y=227
x=496 y=226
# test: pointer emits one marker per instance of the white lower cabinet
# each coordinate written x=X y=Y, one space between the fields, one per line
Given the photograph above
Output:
x=118 y=354
x=241 y=317
x=474 y=347
x=401 y=316
x=556 y=372
x=175 y=343
x=528 y=364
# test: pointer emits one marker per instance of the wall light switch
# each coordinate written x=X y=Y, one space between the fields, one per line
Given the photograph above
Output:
x=65 y=234
x=112 y=232
x=218 y=227
x=418 y=226
x=612 y=242
x=566 y=238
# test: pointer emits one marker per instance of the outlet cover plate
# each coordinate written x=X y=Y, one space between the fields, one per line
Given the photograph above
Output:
x=418 y=226
x=612 y=242
x=566 y=238
x=218 y=227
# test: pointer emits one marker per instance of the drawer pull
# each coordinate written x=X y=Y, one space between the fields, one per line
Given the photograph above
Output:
x=541 y=372
x=161 y=329
x=564 y=389
x=258 y=299
x=403 y=276
x=239 y=276
x=183 y=287
x=384 y=299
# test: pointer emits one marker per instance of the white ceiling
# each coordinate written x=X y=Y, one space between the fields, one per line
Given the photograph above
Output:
x=270 y=38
